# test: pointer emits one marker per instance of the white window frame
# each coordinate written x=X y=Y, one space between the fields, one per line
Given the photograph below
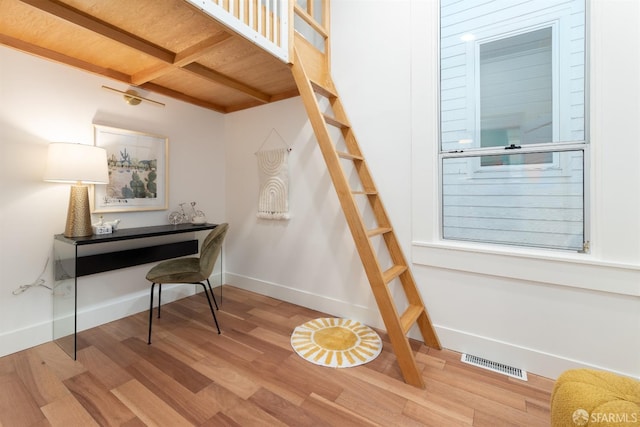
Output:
x=560 y=105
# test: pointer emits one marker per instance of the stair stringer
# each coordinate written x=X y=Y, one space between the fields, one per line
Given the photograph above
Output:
x=397 y=325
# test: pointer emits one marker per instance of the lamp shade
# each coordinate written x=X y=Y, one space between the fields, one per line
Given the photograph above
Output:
x=67 y=162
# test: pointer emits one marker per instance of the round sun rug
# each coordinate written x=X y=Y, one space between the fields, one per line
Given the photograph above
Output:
x=337 y=343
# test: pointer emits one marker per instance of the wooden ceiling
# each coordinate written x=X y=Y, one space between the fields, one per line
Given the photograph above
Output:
x=166 y=47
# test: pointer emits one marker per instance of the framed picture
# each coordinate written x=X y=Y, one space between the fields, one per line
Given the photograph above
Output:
x=138 y=171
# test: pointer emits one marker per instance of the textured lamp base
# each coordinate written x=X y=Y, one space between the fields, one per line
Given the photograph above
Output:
x=78 y=214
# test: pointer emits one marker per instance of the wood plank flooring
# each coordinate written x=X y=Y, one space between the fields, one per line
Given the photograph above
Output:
x=248 y=376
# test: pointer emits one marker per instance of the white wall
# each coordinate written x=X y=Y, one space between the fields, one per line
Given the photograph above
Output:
x=311 y=259
x=41 y=102
x=539 y=311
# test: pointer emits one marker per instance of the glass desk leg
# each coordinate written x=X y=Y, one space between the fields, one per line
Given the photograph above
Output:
x=65 y=296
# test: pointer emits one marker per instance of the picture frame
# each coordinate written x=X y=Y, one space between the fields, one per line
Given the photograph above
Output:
x=138 y=171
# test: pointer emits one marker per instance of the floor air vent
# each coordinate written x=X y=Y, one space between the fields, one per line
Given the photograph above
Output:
x=495 y=366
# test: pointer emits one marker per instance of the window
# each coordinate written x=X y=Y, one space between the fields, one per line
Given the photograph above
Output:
x=515 y=79
x=513 y=146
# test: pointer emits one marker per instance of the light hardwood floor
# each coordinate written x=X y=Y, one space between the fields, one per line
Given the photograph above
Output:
x=248 y=376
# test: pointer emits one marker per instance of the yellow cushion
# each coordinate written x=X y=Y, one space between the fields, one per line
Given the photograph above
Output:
x=586 y=397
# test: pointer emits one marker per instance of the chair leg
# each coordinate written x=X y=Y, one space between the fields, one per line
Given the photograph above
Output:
x=210 y=305
x=159 y=298
x=212 y=294
x=151 y=313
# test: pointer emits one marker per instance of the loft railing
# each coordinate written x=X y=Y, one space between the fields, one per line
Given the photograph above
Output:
x=270 y=23
x=311 y=35
x=311 y=22
x=264 y=22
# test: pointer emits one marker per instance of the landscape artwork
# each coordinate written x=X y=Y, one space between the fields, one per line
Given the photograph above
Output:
x=137 y=164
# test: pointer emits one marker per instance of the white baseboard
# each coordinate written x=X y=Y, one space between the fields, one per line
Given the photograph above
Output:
x=531 y=360
x=21 y=339
x=331 y=306
x=89 y=317
x=128 y=305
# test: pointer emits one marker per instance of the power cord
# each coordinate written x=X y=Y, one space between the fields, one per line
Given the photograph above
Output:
x=38 y=282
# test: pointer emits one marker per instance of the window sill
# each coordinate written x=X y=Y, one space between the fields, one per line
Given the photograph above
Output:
x=562 y=269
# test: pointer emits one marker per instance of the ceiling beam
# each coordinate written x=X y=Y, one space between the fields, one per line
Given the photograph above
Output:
x=183 y=97
x=214 y=76
x=52 y=55
x=170 y=59
x=251 y=104
x=106 y=72
x=76 y=17
x=191 y=54
x=182 y=58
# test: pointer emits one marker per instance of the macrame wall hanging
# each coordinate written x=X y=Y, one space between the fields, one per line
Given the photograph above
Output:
x=273 y=171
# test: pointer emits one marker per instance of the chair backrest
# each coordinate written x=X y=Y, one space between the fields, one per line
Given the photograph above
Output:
x=211 y=248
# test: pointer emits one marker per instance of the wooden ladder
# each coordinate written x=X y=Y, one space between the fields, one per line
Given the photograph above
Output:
x=315 y=85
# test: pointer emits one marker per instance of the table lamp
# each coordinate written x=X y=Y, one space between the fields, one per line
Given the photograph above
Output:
x=80 y=164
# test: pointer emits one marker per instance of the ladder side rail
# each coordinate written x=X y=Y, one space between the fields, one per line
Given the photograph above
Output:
x=383 y=297
x=350 y=137
x=395 y=251
x=333 y=163
x=375 y=200
x=362 y=168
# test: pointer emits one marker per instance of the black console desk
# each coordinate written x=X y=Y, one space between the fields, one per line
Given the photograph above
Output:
x=81 y=256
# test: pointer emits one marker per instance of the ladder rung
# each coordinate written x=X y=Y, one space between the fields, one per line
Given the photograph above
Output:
x=314 y=96
x=349 y=156
x=365 y=192
x=410 y=316
x=322 y=90
x=378 y=231
x=335 y=122
x=393 y=272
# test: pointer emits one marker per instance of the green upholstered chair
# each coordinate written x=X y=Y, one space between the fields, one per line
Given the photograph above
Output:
x=191 y=270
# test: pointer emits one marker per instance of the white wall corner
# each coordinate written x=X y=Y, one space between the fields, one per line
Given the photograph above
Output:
x=528 y=359
x=322 y=303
